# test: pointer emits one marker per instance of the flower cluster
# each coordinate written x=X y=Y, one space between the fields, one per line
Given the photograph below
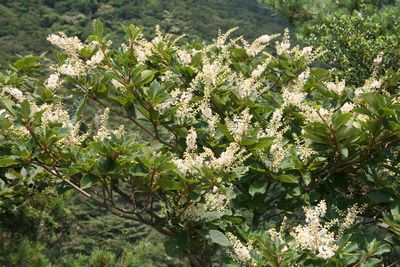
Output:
x=191 y=163
x=213 y=201
x=315 y=236
x=14 y=92
x=308 y=53
x=318 y=237
x=275 y=128
x=295 y=96
x=239 y=125
x=56 y=113
x=337 y=87
x=373 y=83
x=241 y=253
x=74 y=65
x=68 y=44
x=259 y=44
x=303 y=148
x=103 y=131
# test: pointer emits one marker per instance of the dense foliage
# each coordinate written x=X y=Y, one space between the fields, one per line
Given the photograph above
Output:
x=300 y=11
x=24 y=28
x=351 y=41
x=233 y=141
x=25 y=24
x=351 y=33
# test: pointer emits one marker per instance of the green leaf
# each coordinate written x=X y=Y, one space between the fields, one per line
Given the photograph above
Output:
x=25 y=108
x=375 y=103
x=98 y=28
x=155 y=87
x=341 y=119
x=81 y=108
x=345 y=152
x=384 y=248
x=219 y=238
x=211 y=216
x=172 y=248
x=288 y=178
x=168 y=183
x=7 y=161
x=371 y=262
x=88 y=180
x=239 y=54
x=144 y=77
x=395 y=211
x=8 y=105
x=132 y=32
x=258 y=187
x=242 y=170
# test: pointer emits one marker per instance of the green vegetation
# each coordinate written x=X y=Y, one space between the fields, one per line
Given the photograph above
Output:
x=234 y=139
x=351 y=32
x=300 y=11
x=353 y=41
x=221 y=145
x=25 y=24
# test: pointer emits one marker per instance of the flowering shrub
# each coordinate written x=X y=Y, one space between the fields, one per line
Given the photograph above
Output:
x=213 y=145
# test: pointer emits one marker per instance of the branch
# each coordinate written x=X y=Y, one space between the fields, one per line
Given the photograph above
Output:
x=136 y=122
x=57 y=174
x=363 y=259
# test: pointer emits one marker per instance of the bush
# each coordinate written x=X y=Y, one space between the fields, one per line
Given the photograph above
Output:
x=353 y=41
x=213 y=145
x=24 y=254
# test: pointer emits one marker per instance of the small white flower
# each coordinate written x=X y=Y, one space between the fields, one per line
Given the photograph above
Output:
x=15 y=93
x=96 y=59
x=239 y=125
x=347 y=107
x=191 y=140
x=240 y=252
x=69 y=44
x=337 y=87
x=53 y=82
x=378 y=59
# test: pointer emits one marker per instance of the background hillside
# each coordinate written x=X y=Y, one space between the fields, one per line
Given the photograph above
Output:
x=25 y=24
